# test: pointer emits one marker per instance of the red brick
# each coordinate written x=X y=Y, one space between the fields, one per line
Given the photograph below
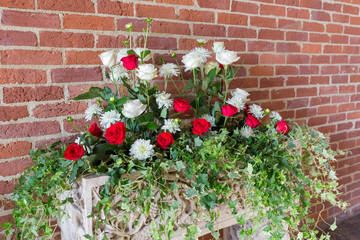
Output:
x=78 y=123
x=338 y=137
x=170 y=28
x=155 y=11
x=272 y=59
x=239 y=32
x=289 y=24
x=165 y=43
x=309 y=69
x=209 y=30
x=282 y=93
x=354 y=59
x=320 y=16
x=355 y=79
x=339 y=39
x=326 y=110
x=67 y=5
x=244 y=83
x=340 y=99
x=259 y=95
x=261 y=71
x=298 y=59
x=319 y=80
x=293 y=81
x=105 y=41
x=196 y=16
x=177 y=2
x=271 y=34
x=24 y=130
x=232 y=19
x=319 y=59
x=286 y=70
x=32 y=57
x=189 y=44
x=27 y=4
x=339 y=59
x=334 y=28
x=7 y=187
x=63 y=75
x=348 y=9
x=8 y=113
x=115 y=7
x=340 y=18
x=260 y=46
x=22 y=76
x=76 y=21
x=234 y=45
x=339 y=79
x=297 y=103
x=328 y=90
x=225 y=4
x=137 y=24
x=59 y=109
x=306 y=92
x=315 y=121
x=332 y=7
x=352 y=30
x=346 y=107
x=274 y=105
x=313 y=27
x=297 y=36
x=353 y=115
x=316 y=4
x=354 y=40
x=355 y=20
x=244 y=7
x=27 y=19
x=319 y=101
x=349 y=69
x=287 y=47
x=14 y=167
x=271 y=82
x=297 y=13
x=351 y=49
x=319 y=37
x=332 y=49
x=344 y=126
x=251 y=59
x=311 y=48
x=17 y=38
x=271 y=10
x=26 y=94
x=66 y=39
x=83 y=57
x=15 y=149
x=306 y=112
x=355 y=98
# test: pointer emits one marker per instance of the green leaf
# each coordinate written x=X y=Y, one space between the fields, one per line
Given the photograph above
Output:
x=93 y=92
x=73 y=173
x=190 y=192
x=152 y=126
x=333 y=226
x=332 y=175
x=198 y=142
x=163 y=113
x=179 y=165
x=212 y=74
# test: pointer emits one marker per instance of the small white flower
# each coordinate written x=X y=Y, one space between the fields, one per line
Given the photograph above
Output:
x=191 y=60
x=109 y=58
x=226 y=57
x=275 y=115
x=138 y=51
x=211 y=65
x=171 y=125
x=240 y=93
x=163 y=100
x=201 y=41
x=82 y=143
x=203 y=53
x=237 y=102
x=92 y=110
x=142 y=149
x=168 y=70
x=218 y=47
x=247 y=132
x=209 y=118
x=121 y=53
x=119 y=72
x=257 y=111
x=109 y=118
x=146 y=72
x=128 y=26
x=133 y=108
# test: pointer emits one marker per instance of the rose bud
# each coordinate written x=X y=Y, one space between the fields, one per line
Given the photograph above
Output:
x=252 y=121
x=74 y=152
x=229 y=110
x=164 y=140
x=115 y=134
x=95 y=130
x=282 y=127
x=130 y=62
x=181 y=105
x=200 y=126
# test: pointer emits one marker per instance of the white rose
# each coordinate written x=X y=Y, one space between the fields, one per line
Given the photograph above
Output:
x=240 y=93
x=226 y=57
x=210 y=65
x=146 y=72
x=138 y=52
x=109 y=58
x=218 y=47
x=133 y=108
x=191 y=60
x=121 y=54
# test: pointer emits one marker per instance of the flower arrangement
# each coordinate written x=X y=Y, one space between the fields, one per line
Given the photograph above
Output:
x=208 y=135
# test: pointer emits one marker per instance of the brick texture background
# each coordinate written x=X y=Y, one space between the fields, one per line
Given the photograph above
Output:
x=301 y=58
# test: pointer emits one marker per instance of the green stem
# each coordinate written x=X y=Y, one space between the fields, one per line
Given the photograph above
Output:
x=196 y=90
x=75 y=127
x=166 y=80
x=181 y=74
x=113 y=80
x=176 y=87
x=226 y=118
x=146 y=34
x=226 y=84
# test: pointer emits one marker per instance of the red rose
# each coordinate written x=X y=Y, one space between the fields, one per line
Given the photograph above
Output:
x=181 y=105
x=74 y=152
x=221 y=66
x=115 y=134
x=95 y=130
x=229 y=110
x=252 y=121
x=200 y=126
x=282 y=127
x=130 y=62
x=164 y=140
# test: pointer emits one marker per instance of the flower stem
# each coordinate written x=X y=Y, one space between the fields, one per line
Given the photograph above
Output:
x=175 y=87
x=113 y=80
x=196 y=90
x=226 y=84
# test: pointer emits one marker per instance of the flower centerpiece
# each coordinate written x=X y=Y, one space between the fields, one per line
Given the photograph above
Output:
x=201 y=144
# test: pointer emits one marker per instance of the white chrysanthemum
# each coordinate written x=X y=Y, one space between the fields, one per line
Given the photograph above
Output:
x=240 y=93
x=247 y=132
x=218 y=47
x=82 y=143
x=118 y=73
x=275 y=115
x=256 y=111
x=171 y=125
x=142 y=149
x=209 y=118
x=203 y=53
x=226 y=57
x=109 y=118
x=138 y=51
x=168 y=70
x=121 y=53
x=237 y=102
x=163 y=100
x=92 y=110
x=191 y=60
x=201 y=41
x=146 y=72
x=211 y=65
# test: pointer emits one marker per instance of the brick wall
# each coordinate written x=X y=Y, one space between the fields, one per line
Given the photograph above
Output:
x=301 y=57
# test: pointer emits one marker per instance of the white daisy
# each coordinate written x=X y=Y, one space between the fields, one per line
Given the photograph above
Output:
x=275 y=115
x=141 y=149
x=203 y=53
x=257 y=111
x=209 y=118
x=109 y=118
x=92 y=110
x=171 y=125
x=163 y=100
x=168 y=70
x=237 y=102
x=247 y=132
